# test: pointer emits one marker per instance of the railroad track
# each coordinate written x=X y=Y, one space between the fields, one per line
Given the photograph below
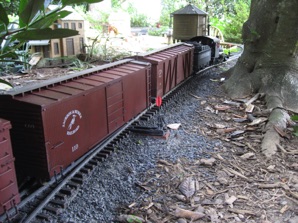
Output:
x=53 y=197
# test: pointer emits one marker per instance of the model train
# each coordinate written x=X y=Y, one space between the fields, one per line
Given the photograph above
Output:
x=47 y=127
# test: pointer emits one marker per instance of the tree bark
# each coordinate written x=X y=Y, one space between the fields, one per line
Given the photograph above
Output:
x=269 y=62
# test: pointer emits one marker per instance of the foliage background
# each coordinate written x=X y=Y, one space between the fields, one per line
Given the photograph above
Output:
x=227 y=15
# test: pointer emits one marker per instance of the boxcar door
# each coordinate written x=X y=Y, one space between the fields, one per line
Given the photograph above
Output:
x=115 y=106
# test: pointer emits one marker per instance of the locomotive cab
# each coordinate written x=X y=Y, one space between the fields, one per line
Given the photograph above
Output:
x=213 y=43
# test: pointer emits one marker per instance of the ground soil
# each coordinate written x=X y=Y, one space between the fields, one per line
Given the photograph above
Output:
x=233 y=182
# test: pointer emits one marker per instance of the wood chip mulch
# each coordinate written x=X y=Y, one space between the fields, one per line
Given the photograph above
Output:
x=236 y=184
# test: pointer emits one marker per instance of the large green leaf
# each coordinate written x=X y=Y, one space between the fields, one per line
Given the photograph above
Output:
x=3 y=16
x=22 y=5
x=47 y=21
x=3 y=31
x=30 y=11
x=8 y=46
x=12 y=55
x=294 y=117
x=42 y=34
x=5 y=82
x=70 y=2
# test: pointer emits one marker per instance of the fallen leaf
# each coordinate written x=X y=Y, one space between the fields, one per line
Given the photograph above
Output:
x=220 y=157
x=164 y=162
x=222 y=107
x=247 y=156
x=132 y=205
x=240 y=116
x=209 y=192
x=249 y=108
x=254 y=98
x=208 y=162
x=258 y=121
x=188 y=187
x=271 y=167
x=236 y=133
x=148 y=206
x=242 y=197
x=238 y=144
x=232 y=103
x=219 y=126
x=130 y=219
x=226 y=130
x=284 y=209
x=230 y=200
x=240 y=119
x=19 y=76
x=174 y=126
x=208 y=108
x=180 y=197
x=250 y=128
x=182 y=213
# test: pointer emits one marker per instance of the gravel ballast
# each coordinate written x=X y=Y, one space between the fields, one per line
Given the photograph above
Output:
x=113 y=184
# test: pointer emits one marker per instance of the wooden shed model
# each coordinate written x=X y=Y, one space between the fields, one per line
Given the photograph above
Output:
x=65 y=46
x=189 y=22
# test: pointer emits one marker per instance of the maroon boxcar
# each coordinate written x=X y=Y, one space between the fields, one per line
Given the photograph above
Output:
x=56 y=123
x=170 y=66
x=9 y=193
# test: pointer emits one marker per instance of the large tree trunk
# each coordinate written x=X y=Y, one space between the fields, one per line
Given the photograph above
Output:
x=269 y=63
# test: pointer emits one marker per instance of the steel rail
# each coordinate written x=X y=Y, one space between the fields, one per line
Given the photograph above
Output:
x=83 y=161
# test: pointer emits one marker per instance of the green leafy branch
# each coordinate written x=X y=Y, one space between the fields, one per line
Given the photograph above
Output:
x=35 y=20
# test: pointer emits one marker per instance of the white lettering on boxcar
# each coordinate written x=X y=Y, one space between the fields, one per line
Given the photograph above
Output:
x=75 y=147
x=160 y=73
x=70 y=122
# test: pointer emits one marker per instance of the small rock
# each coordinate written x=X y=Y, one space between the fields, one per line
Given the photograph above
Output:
x=181 y=220
x=241 y=216
x=237 y=219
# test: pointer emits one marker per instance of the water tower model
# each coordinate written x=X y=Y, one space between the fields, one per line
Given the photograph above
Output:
x=189 y=22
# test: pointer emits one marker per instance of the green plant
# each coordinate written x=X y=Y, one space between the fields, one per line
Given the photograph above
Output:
x=234 y=49
x=134 y=219
x=35 y=20
x=157 y=31
x=78 y=65
x=140 y=142
x=231 y=20
x=5 y=82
